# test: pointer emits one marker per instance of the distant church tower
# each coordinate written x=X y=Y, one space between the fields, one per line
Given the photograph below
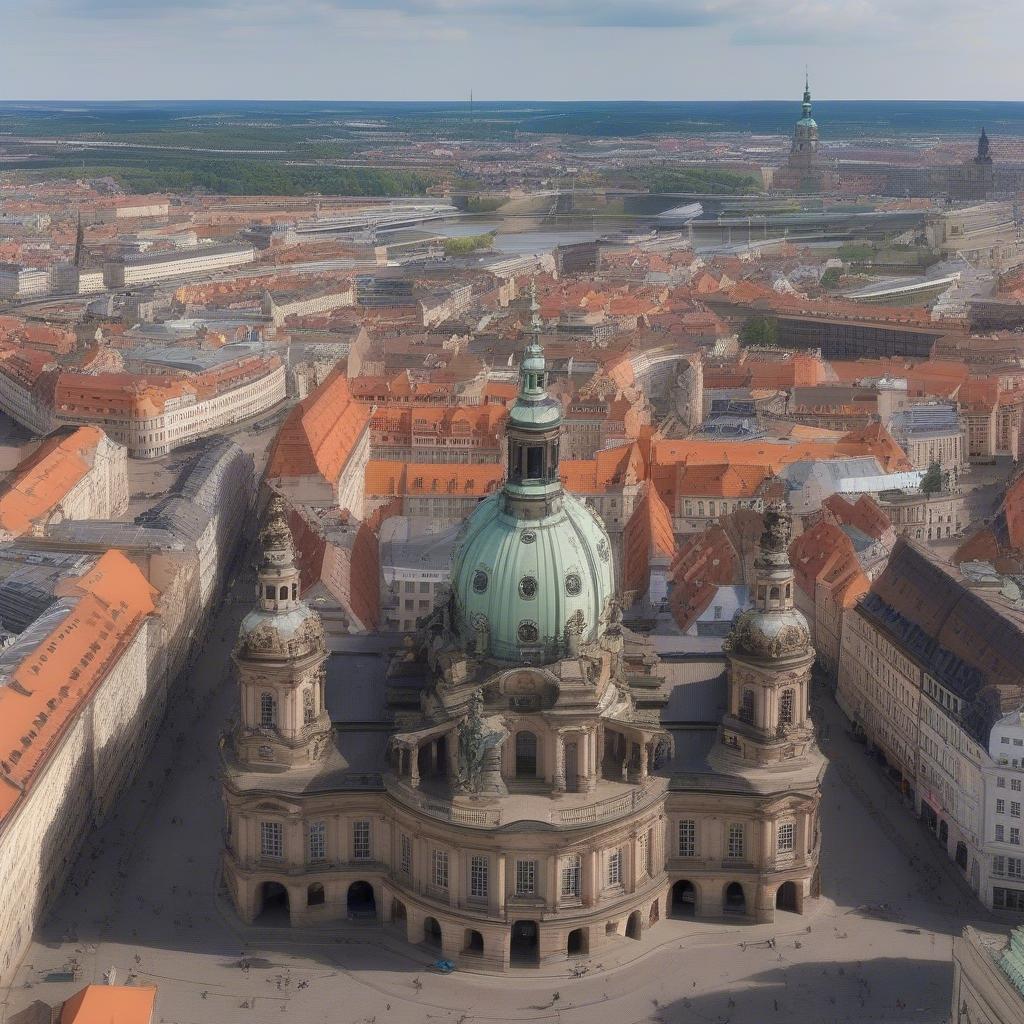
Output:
x=804 y=171
x=804 y=150
x=279 y=658
x=974 y=179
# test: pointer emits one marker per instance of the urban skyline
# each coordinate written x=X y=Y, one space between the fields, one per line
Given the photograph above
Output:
x=511 y=561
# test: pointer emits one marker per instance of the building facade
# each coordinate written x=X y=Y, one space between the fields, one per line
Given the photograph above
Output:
x=524 y=808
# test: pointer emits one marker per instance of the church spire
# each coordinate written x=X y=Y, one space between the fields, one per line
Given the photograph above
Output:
x=533 y=430
x=807 y=94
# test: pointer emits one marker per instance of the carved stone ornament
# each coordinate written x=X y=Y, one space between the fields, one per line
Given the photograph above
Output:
x=750 y=637
x=778 y=528
x=476 y=743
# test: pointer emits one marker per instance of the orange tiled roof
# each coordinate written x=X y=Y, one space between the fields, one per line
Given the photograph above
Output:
x=864 y=513
x=46 y=689
x=704 y=563
x=110 y=1004
x=43 y=480
x=320 y=433
x=722 y=481
x=649 y=531
x=386 y=478
x=825 y=553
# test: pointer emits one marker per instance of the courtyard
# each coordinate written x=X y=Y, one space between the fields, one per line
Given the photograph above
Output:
x=143 y=902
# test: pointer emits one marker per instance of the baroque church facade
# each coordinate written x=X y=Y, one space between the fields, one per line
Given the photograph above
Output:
x=525 y=803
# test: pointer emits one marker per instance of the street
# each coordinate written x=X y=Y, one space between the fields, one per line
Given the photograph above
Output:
x=143 y=900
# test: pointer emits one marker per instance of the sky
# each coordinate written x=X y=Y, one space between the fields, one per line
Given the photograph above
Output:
x=510 y=49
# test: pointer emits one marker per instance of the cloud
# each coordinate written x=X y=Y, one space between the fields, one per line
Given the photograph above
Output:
x=743 y=22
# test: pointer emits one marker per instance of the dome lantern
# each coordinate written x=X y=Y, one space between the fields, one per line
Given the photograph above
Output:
x=533 y=432
x=532 y=576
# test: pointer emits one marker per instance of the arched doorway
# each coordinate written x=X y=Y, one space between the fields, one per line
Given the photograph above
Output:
x=526 y=755
x=655 y=915
x=961 y=856
x=684 y=899
x=397 y=910
x=577 y=944
x=633 y=925
x=432 y=932
x=361 y=901
x=524 y=944
x=787 y=898
x=474 y=943
x=315 y=895
x=274 y=907
x=734 y=901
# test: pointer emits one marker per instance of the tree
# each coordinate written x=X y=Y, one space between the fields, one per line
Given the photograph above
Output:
x=931 y=482
x=831 y=277
x=760 y=330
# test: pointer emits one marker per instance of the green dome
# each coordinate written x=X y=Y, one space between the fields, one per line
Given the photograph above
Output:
x=525 y=583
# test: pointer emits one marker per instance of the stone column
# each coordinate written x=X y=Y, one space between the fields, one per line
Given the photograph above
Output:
x=451 y=745
x=456 y=877
x=591 y=761
x=552 y=895
x=629 y=864
x=496 y=887
x=433 y=757
x=558 y=774
x=590 y=878
x=414 y=767
x=766 y=845
x=644 y=756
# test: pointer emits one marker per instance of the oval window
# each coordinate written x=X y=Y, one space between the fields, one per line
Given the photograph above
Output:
x=528 y=587
x=573 y=584
x=528 y=633
x=479 y=581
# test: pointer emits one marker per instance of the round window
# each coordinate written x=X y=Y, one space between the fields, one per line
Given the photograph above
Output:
x=573 y=584
x=527 y=536
x=479 y=581
x=528 y=633
x=528 y=587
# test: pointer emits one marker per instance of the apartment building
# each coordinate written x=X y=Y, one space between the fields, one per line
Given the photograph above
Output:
x=150 y=414
x=77 y=473
x=128 y=272
x=320 y=454
x=929 y=663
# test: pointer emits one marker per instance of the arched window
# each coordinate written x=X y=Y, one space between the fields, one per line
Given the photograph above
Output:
x=270 y=591
x=284 y=594
x=308 y=707
x=526 y=754
x=268 y=710
x=295 y=591
x=747 y=707
x=773 y=594
x=786 y=708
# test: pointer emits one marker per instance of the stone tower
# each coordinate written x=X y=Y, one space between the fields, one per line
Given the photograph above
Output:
x=279 y=658
x=805 y=136
x=770 y=658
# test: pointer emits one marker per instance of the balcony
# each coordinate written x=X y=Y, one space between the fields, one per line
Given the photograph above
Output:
x=568 y=810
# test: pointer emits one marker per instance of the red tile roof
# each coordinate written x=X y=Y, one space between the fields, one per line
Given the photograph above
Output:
x=320 y=433
x=43 y=480
x=48 y=687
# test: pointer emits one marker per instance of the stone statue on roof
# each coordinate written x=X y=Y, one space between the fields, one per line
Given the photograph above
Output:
x=778 y=528
x=479 y=747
